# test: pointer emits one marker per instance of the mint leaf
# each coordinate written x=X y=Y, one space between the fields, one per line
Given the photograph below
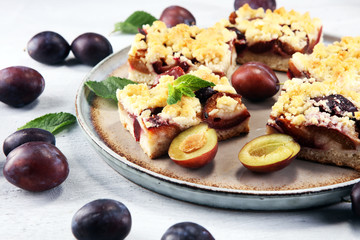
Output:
x=187 y=91
x=174 y=95
x=185 y=85
x=192 y=82
x=134 y=22
x=107 y=88
x=52 y=122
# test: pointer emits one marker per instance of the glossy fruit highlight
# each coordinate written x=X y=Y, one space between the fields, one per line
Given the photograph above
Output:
x=194 y=147
x=102 y=219
x=20 y=85
x=255 y=81
x=90 y=48
x=187 y=231
x=355 y=199
x=36 y=166
x=269 y=153
x=174 y=15
x=48 y=47
x=27 y=135
x=255 y=4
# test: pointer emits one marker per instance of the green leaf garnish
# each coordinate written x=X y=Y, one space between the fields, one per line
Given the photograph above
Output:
x=107 y=88
x=134 y=22
x=185 y=85
x=52 y=122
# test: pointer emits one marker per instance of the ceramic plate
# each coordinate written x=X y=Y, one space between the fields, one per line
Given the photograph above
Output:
x=224 y=183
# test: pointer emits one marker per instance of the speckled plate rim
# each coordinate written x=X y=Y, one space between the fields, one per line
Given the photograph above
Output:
x=192 y=192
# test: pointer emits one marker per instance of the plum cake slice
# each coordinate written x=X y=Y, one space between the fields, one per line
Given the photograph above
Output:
x=338 y=62
x=153 y=122
x=272 y=37
x=157 y=48
x=323 y=118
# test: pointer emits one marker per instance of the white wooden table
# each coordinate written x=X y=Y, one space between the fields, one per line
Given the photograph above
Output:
x=47 y=215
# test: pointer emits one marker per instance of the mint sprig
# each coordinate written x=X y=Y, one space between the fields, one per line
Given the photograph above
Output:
x=107 y=88
x=52 y=122
x=134 y=22
x=185 y=85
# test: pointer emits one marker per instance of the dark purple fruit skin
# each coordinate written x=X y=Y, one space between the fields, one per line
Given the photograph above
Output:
x=186 y=231
x=48 y=47
x=335 y=104
x=102 y=219
x=36 y=166
x=174 y=15
x=255 y=4
x=255 y=81
x=27 y=135
x=355 y=199
x=20 y=85
x=91 y=48
x=203 y=94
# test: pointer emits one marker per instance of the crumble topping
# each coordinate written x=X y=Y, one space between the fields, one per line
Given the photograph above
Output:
x=338 y=62
x=289 y=27
x=226 y=108
x=191 y=44
x=307 y=102
x=138 y=99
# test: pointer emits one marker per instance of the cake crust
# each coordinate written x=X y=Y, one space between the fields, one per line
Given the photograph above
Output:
x=158 y=48
x=272 y=37
x=154 y=123
x=322 y=117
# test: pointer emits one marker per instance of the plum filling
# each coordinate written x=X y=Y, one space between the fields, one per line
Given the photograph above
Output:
x=240 y=42
x=276 y=46
x=232 y=18
x=338 y=105
x=174 y=71
x=203 y=94
x=136 y=63
x=335 y=104
x=318 y=136
x=156 y=121
x=293 y=72
x=143 y=32
x=137 y=128
x=223 y=122
x=161 y=67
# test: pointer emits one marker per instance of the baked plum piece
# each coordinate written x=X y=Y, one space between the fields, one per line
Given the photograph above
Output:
x=218 y=118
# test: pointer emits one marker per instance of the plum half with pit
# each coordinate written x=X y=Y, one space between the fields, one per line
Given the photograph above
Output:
x=194 y=147
x=269 y=153
x=255 y=81
x=36 y=166
x=175 y=15
x=20 y=85
x=101 y=219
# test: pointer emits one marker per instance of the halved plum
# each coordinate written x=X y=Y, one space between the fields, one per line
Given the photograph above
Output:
x=269 y=153
x=194 y=147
